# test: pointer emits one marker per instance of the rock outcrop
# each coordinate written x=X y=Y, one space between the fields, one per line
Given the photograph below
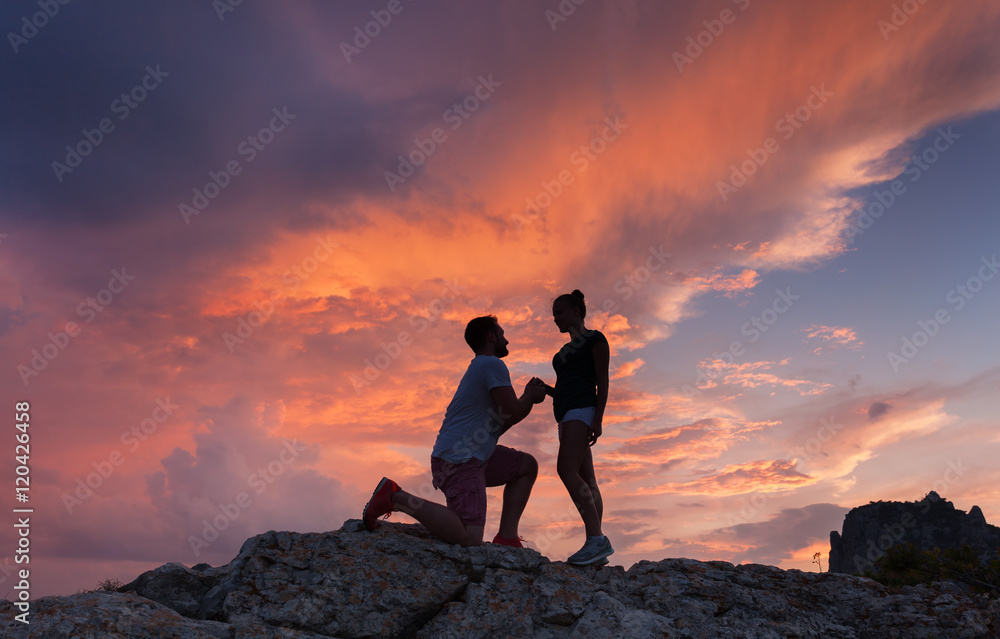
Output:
x=930 y=523
x=400 y=582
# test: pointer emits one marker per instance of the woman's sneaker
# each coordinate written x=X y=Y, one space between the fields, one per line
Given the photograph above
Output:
x=513 y=542
x=594 y=550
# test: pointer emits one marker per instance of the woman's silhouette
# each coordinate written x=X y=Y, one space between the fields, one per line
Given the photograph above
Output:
x=578 y=401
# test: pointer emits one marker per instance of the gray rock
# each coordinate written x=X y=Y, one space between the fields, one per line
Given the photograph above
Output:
x=175 y=586
x=930 y=523
x=106 y=614
x=398 y=581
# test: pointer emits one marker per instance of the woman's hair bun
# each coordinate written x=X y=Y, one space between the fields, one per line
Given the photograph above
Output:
x=574 y=299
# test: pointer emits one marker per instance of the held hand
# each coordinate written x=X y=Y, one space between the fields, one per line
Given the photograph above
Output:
x=541 y=392
x=596 y=429
x=535 y=390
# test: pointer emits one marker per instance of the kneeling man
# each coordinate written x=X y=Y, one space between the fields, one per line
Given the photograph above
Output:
x=466 y=456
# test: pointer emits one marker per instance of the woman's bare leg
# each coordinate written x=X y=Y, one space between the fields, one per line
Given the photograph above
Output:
x=574 y=457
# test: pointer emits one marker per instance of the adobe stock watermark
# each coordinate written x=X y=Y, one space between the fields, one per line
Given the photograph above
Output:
x=105 y=468
x=293 y=278
x=749 y=507
x=543 y=538
x=825 y=433
x=248 y=148
x=470 y=443
x=381 y=18
x=580 y=159
x=30 y=26
x=259 y=480
x=927 y=329
x=631 y=282
x=122 y=106
x=373 y=367
x=59 y=341
x=714 y=27
x=900 y=16
x=895 y=532
x=627 y=286
x=546 y=534
x=562 y=12
x=787 y=126
x=454 y=116
x=753 y=328
x=914 y=168
x=222 y=7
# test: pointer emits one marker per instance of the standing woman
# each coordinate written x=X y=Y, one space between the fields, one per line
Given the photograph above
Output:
x=578 y=401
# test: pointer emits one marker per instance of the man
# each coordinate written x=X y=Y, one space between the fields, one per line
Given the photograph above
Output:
x=466 y=457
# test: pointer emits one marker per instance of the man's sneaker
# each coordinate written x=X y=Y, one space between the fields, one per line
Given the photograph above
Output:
x=380 y=505
x=508 y=541
x=594 y=550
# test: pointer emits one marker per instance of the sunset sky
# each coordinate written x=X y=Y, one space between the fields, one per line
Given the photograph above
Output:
x=239 y=245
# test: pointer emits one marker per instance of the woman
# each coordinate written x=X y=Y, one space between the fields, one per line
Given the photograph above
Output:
x=578 y=401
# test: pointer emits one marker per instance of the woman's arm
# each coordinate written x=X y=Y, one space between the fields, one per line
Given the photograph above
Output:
x=602 y=360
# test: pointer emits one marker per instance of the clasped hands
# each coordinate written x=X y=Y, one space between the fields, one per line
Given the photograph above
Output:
x=535 y=389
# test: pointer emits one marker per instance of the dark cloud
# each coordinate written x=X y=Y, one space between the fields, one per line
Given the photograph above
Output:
x=200 y=103
x=878 y=409
x=775 y=539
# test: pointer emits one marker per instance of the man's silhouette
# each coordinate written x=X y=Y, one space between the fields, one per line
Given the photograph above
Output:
x=466 y=456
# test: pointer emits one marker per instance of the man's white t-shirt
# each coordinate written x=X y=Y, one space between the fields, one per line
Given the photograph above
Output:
x=472 y=424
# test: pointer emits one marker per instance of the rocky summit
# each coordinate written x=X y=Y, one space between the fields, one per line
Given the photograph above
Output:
x=400 y=582
x=933 y=522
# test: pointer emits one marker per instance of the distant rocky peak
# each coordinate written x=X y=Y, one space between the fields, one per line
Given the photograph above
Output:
x=933 y=522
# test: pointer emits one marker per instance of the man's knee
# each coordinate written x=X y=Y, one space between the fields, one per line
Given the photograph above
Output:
x=473 y=536
x=529 y=466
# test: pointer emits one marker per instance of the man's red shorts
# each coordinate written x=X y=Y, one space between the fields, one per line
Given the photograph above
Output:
x=464 y=485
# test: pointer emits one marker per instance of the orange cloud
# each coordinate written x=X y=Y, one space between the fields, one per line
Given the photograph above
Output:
x=628 y=369
x=641 y=456
x=729 y=286
x=757 y=476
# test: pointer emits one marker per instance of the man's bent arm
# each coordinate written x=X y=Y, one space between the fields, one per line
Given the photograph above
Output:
x=512 y=408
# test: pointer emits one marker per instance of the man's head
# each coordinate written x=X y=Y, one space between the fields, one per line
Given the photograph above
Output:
x=485 y=336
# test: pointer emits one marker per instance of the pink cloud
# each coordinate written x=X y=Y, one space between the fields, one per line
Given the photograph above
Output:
x=832 y=337
x=754 y=375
